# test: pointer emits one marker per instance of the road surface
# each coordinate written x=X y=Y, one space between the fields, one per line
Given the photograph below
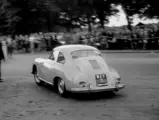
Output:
x=22 y=99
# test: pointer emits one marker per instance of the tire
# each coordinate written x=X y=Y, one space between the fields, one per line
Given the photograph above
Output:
x=37 y=80
x=61 y=88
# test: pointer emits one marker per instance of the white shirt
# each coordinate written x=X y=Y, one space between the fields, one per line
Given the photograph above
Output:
x=32 y=39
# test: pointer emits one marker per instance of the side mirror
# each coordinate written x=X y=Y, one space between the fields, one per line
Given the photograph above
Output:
x=62 y=62
x=51 y=57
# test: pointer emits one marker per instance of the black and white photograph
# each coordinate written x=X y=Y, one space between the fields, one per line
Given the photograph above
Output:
x=79 y=60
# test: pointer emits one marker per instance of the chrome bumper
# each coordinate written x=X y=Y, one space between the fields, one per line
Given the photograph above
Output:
x=97 y=89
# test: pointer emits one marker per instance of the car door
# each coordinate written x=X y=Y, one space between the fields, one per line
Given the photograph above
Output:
x=49 y=67
x=57 y=67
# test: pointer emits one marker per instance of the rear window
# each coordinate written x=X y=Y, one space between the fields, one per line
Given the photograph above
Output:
x=85 y=53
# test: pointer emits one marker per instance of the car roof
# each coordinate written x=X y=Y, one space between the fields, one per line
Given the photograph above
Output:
x=71 y=48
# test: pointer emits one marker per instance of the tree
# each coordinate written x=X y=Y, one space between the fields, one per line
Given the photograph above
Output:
x=131 y=8
x=151 y=9
x=98 y=10
x=76 y=13
x=8 y=18
x=26 y=16
x=2 y=15
x=68 y=13
x=104 y=9
x=86 y=12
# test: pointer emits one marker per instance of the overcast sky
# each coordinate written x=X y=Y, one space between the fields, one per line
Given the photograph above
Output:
x=120 y=19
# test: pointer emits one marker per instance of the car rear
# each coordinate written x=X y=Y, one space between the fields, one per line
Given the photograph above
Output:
x=96 y=75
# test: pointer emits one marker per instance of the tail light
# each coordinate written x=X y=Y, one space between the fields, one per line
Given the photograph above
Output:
x=118 y=80
x=83 y=84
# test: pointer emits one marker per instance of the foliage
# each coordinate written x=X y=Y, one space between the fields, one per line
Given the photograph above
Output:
x=8 y=17
x=27 y=16
x=131 y=8
x=86 y=12
x=151 y=10
x=104 y=9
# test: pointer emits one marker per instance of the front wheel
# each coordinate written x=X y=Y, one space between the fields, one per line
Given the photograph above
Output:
x=61 y=88
x=37 y=80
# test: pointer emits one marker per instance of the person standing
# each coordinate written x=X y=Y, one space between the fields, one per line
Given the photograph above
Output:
x=4 y=47
x=32 y=43
x=9 y=46
x=1 y=58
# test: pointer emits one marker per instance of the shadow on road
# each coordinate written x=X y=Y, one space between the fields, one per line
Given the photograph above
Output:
x=95 y=96
x=86 y=96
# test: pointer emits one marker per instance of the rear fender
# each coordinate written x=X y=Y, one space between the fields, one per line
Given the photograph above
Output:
x=36 y=65
x=61 y=74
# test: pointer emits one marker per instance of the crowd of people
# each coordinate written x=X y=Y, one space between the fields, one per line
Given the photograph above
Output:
x=102 y=39
x=138 y=38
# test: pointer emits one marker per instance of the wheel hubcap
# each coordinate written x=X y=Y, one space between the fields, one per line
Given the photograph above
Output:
x=36 y=78
x=61 y=86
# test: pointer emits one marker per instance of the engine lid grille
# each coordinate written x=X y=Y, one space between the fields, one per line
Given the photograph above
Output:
x=94 y=64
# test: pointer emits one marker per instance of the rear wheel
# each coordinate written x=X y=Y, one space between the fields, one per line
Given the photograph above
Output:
x=61 y=88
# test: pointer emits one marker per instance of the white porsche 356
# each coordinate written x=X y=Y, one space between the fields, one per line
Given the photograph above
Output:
x=76 y=68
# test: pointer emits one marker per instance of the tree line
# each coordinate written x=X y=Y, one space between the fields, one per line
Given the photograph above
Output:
x=27 y=16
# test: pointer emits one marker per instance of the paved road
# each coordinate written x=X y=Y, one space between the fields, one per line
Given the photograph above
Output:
x=22 y=99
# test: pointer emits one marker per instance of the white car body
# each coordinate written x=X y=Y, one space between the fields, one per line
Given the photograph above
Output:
x=78 y=73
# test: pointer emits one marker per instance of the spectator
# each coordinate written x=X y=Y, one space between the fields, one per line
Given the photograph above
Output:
x=4 y=47
x=9 y=46
x=1 y=58
x=32 y=42
x=26 y=43
x=114 y=38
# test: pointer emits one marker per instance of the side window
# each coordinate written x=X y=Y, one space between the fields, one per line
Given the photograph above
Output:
x=61 y=58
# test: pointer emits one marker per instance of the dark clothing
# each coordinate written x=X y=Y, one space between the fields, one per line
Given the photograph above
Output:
x=1 y=52
x=1 y=58
x=0 y=72
x=10 y=50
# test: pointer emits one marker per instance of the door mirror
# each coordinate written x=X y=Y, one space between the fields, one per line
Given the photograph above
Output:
x=52 y=57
